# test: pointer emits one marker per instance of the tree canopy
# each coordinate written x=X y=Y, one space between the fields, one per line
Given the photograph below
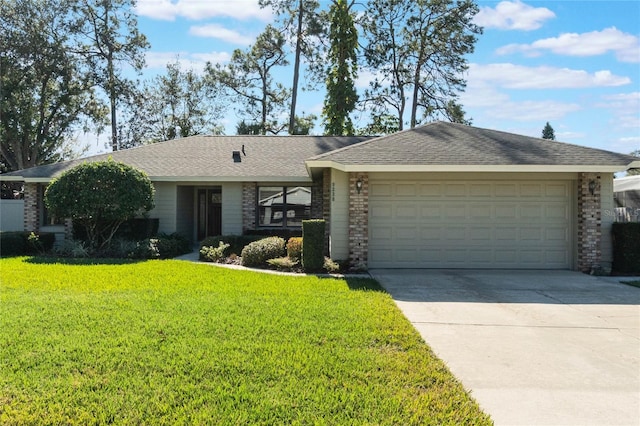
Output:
x=548 y=132
x=100 y=196
x=44 y=95
x=341 y=96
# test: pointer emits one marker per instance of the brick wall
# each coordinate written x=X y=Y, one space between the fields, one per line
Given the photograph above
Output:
x=31 y=207
x=326 y=207
x=358 y=220
x=589 y=222
x=249 y=190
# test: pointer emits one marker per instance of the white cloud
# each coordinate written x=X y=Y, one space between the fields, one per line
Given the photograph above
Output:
x=221 y=33
x=169 y=10
x=187 y=60
x=625 y=46
x=513 y=15
x=513 y=76
x=493 y=104
x=624 y=107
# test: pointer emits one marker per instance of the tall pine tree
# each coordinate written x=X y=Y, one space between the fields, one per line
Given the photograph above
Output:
x=341 y=96
x=548 y=133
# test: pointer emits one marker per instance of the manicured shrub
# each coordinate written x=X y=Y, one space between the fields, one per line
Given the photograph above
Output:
x=25 y=243
x=236 y=242
x=12 y=244
x=100 y=196
x=626 y=248
x=214 y=254
x=258 y=252
x=313 y=244
x=294 y=248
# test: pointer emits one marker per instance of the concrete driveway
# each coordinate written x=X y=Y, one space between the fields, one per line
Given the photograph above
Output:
x=533 y=347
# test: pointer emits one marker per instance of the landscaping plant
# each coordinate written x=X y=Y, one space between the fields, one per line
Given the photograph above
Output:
x=100 y=196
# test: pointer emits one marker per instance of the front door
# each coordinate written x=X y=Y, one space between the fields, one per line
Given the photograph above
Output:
x=209 y=212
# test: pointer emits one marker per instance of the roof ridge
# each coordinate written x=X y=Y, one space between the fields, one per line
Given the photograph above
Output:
x=373 y=138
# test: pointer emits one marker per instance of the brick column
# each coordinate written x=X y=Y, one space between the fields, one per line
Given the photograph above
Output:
x=589 y=221
x=358 y=220
x=249 y=190
x=31 y=207
x=326 y=207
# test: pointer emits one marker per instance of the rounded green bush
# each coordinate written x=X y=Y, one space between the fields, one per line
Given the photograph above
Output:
x=258 y=252
x=100 y=196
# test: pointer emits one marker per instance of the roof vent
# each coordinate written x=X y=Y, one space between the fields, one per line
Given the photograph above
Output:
x=236 y=157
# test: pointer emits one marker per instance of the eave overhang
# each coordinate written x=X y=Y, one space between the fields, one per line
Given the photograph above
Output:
x=526 y=168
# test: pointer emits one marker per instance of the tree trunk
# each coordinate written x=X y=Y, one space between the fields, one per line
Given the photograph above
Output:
x=296 y=71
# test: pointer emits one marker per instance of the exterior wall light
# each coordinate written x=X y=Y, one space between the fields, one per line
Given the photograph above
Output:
x=359 y=185
x=592 y=186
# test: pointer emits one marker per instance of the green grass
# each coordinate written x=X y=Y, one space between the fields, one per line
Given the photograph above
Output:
x=171 y=342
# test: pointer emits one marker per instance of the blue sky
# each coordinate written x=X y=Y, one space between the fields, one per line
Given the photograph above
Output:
x=575 y=64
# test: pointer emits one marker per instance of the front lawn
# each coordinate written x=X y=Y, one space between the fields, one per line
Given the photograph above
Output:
x=166 y=342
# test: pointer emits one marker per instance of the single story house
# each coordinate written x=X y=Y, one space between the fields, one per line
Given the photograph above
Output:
x=442 y=195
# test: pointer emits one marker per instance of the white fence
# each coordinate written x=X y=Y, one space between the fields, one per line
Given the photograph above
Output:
x=11 y=215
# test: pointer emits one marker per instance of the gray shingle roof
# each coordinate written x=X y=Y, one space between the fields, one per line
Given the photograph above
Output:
x=199 y=157
x=442 y=143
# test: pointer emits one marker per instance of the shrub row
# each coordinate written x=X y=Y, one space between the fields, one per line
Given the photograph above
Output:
x=25 y=243
x=133 y=229
x=626 y=248
x=162 y=246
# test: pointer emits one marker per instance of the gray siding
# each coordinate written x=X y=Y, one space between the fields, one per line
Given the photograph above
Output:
x=166 y=206
x=232 y=208
x=339 y=225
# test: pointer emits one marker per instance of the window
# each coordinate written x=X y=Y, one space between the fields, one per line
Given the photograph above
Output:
x=282 y=206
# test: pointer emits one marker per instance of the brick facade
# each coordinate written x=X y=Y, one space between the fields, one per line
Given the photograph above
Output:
x=326 y=207
x=358 y=220
x=249 y=190
x=31 y=207
x=589 y=221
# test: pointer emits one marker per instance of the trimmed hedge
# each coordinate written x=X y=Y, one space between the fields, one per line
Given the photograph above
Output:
x=294 y=248
x=258 y=252
x=313 y=244
x=133 y=229
x=626 y=248
x=236 y=242
x=19 y=243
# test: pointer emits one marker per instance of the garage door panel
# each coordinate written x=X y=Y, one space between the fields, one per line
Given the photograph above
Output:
x=406 y=212
x=480 y=234
x=557 y=211
x=506 y=211
x=406 y=190
x=455 y=190
x=470 y=224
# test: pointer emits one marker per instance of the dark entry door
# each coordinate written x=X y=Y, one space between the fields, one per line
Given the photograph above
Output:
x=209 y=212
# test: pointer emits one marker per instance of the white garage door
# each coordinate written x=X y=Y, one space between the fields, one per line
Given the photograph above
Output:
x=470 y=224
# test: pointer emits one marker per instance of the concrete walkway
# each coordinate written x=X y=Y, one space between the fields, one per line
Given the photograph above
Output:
x=533 y=347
